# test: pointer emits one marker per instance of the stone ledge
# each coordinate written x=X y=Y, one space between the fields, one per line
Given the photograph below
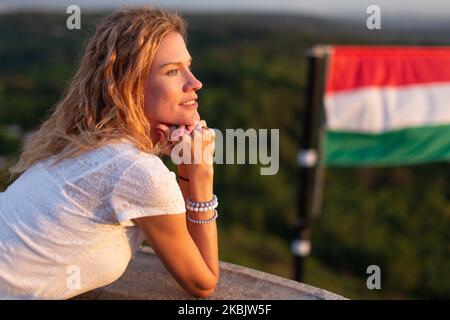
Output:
x=146 y=278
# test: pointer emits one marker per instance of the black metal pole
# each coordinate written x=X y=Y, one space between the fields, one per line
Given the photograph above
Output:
x=307 y=161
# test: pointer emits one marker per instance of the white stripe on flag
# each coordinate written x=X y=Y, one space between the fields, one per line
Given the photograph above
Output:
x=380 y=109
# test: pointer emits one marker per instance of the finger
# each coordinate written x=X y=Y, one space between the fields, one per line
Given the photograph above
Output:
x=162 y=131
x=162 y=126
x=199 y=125
x=189 y=129
x=176 y=133
x=208 y=134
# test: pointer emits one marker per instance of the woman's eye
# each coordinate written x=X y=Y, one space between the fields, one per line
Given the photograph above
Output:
x=172 y=72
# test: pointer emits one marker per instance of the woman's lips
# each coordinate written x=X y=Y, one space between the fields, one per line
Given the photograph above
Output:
x=190 y=106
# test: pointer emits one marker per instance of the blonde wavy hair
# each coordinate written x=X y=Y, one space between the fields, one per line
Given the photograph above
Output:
x=105 y=99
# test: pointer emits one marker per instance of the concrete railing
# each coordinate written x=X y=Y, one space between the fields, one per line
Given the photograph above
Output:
x=147 y=278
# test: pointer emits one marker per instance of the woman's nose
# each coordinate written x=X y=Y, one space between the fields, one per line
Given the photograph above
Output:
x=193 y=83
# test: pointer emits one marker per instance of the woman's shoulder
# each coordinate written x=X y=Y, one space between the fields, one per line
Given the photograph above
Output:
x=148 y=178
x=130 y=161
x=112 y=158
x=134 y=155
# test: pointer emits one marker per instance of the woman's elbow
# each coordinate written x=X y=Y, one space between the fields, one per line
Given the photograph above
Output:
x=204 y=293
x=206 y=290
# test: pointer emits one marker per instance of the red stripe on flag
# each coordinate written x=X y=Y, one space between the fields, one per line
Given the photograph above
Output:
x=352 y=67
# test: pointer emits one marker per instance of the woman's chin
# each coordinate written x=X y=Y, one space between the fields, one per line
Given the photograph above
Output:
x=196 y=117
x=191 y=119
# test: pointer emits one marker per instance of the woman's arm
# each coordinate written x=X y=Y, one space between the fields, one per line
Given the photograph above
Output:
x=172 y=243
x=204 y=235
x=188 y=252
x=182 y=248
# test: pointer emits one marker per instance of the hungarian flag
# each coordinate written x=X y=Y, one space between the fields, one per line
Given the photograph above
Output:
x=387 y=106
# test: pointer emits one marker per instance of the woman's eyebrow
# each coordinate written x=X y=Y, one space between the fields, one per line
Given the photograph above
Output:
x=170 y=63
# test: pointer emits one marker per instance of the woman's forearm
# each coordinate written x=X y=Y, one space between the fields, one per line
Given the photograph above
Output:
x=204 y=235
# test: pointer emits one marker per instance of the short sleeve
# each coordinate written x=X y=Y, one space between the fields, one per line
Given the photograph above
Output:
x=146 y=188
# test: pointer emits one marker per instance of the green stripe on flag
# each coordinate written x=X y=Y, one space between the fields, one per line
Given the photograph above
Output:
x=399 y=147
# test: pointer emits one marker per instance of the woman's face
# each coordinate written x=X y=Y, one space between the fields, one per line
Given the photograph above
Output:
x=170 y=83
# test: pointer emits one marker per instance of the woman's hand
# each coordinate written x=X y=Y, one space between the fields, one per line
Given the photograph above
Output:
x=198 y=138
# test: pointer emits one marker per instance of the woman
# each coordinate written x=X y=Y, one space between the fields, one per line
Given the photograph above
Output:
x=92 y=185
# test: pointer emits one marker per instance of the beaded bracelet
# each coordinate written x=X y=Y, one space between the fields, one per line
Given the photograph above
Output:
x=197 y=204
x=202 y=206
x=204 y=221
x=203 y=209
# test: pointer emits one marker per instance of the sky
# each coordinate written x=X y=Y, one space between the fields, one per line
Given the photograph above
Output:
x=438 y=9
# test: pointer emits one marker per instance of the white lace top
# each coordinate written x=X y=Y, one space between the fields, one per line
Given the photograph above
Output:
x=68 y=229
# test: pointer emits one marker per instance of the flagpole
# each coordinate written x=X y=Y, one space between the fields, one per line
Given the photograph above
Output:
x=308 y=159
